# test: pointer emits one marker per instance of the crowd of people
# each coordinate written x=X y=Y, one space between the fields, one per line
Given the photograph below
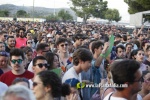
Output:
x=52 y=61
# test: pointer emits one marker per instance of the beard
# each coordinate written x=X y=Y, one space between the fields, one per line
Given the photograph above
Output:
x=21 y=36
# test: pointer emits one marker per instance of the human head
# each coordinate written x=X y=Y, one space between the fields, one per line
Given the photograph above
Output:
x=16 y=59
x=11 y=41
x=53 y=60
x=3 y=59
x=127 y=72
x=62 y=45
x=18 y=92
x=21 y=81
x=140 y=37
x=2 y=46
x=148 y=51
x=39 y=64
x=97 y=47
x=29 y=43
x=43 y=40
x=129 y=47
x=28 y=53
x=3 y=36
x=82 y=57
x=120 y=51
x=47 y=82
x=129 y=38
x=21 y=32
x=78 y=38
x=42 y=48
x=145 y=84
x=139 y=55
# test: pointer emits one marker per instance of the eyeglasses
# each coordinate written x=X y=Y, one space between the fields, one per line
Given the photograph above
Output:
x=29 y=42
x=35 y=84
x=3 y=53
x=19 y=61
x=129 y=38
x=64 y=45
x=140 y=80
x=40 y=65
x=5 y=36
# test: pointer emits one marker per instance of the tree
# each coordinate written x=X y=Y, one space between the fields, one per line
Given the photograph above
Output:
x=52 y=17
x=137 y=5
x=87 y=8
x=112 y=15
x=4 y=13
x=22 y=13
x=64 y=15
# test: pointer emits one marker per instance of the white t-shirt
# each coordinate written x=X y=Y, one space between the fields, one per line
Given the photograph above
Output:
x=71 y=73
x=30 y=67
x=31 y=83
x=3 y=88
x=113 y=98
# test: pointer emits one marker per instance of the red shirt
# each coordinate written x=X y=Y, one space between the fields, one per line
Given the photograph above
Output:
x=20 y=42
x=8 y=77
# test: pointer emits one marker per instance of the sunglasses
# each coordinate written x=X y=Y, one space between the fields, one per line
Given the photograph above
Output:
x=64 y=45
x=140 y=80
x=19 y=61
x=40 y=65
x=5 y=36
x=35 y=84
x=29 y=42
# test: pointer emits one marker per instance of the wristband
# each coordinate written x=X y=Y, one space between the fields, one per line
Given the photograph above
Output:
x=102 y=55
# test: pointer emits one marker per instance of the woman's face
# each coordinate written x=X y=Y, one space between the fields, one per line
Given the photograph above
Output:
x=29 y=56
x=146 y=83
x=140 y=56
x=3 y=61
x=56 y=62
x=38 y=88
x=43 y=40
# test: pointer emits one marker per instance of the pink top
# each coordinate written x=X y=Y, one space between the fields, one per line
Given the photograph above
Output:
x=20 y=42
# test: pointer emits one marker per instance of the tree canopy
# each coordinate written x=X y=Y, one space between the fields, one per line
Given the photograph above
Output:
x=4 y=13
x=22 y=13
x=87 y=8
x=64 y=15
x=137 y=5
x=112 y=15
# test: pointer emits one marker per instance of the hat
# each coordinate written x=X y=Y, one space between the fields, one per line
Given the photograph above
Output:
x=49 y=35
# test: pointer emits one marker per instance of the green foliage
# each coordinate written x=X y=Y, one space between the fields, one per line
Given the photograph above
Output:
x=112 y=15
x=52 y=17
x=87 y=8
x=22 y=13
x=137 y=5
x=64 y=15
x=4 y=13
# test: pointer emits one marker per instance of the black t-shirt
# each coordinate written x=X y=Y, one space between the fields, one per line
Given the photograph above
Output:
x=1 y=72
x=7 y=49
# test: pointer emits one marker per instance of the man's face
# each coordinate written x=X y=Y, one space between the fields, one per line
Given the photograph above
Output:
x=11 y=42
x=45 y=50
x=16 y=63
x=85 y=65
x=129 y=39
x=3 y=61
x=4 y=37
x=63 y=47
x=128 y=48
x=136 y=86
x=121 y=53
x=21 y=34
x=39 y=66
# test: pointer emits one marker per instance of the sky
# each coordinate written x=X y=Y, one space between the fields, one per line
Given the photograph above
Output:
x=117 y=4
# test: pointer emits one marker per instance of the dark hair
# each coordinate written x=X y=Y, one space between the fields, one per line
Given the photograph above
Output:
x=51 y=79
x=50 y=59
x=3 y=32
x=133 y=53
x=27 y=49
x=124 y=71
x=41 y=46
x=147 y=48
x=96 y=45
x=21 y=28
x=81 y=54
x=129 y=44
x=61 y=40
x=120 y=46
x=38 y=58
x=17 y=80
x=16 y=52
x=124 y=37
x=10 y=37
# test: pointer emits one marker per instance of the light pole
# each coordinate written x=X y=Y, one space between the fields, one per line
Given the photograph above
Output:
x=33 y=11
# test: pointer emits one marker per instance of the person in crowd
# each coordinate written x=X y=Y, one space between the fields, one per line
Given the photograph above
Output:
x=147 y=61
x=21 y=81
x=78 y=38
x=47 y=86
x=18 y=92
x=63 y=53
x=128 y=49
x=52 y=60
x=21 y=40
x=125 y=72
x=120 y=52
x=10 y=44
x=82 y=62
x=2 y=46
x=3 y=36
x=18 y=70
x=41 y=50
x=4 y=65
